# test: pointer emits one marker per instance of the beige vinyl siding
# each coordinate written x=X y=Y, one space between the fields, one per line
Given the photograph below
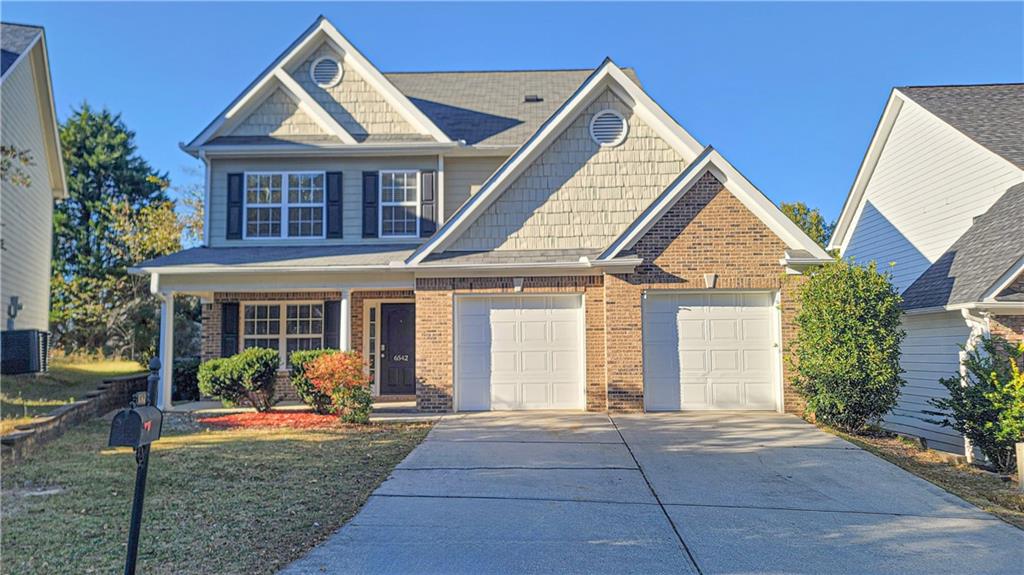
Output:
x=464 y=175
x=577 y=194
x=929 y=184
x=353 y=102
x=352 y=193
x=931 y=351
x=26 y=214
x=278 y=116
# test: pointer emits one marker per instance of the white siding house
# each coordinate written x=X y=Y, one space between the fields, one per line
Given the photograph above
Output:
x=27 y=124
x=936 y=202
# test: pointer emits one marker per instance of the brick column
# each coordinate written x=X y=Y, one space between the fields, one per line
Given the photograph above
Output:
x=434 y=340
x=624 y=345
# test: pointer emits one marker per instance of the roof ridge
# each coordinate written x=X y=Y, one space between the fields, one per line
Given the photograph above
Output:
x=7 y=23
x=528 y=70
x=962 y=85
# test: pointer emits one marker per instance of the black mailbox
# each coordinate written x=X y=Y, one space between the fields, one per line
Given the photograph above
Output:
x=136 y=426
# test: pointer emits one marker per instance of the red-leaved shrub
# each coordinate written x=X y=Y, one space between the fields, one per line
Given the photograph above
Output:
x=342 y=376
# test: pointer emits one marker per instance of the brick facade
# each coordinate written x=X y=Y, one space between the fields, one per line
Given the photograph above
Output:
x=707 y=231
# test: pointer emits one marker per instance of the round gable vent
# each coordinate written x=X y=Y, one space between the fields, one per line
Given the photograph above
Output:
x=608 y=128
x=326 y=72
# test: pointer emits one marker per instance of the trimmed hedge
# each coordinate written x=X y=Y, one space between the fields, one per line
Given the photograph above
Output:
x=308 y=393
x=186 y=379
x=248 y=375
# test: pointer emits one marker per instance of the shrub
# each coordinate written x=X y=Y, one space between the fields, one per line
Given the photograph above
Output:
x=215 y=380
x=846 y=354
x=341 y=376
x=986 y=404
x=309 y=394
x=186 y=379
x=248 y=375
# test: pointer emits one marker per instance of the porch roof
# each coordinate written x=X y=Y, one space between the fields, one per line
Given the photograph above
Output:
x=274 y=258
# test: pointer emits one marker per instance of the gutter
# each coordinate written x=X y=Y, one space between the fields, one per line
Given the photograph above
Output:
x=622 y=265
x=332 y=150
x=1004 y=307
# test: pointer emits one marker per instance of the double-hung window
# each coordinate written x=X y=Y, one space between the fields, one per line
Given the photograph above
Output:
x=284 y=204
x=399 y=203
x=285 y=327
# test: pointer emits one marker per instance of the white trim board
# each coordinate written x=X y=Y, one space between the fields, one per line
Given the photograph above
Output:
x=856 y=199
x=607 y=75
x=321 y=29
x=752 y=198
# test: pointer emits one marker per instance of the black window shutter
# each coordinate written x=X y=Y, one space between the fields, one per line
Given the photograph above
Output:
x=334 y=187
x=234 y=207
x=332 y=325
x=228 y=329
x=428 y=203
x=370 y=187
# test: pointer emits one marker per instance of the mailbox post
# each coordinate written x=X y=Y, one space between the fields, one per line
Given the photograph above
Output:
x=138 y=426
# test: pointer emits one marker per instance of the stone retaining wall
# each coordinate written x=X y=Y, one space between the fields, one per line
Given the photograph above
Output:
x=112 y=394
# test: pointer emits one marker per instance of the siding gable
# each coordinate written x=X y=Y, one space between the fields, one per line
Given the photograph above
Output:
x=929 y=184
x=577 y=195
x=353 y=102
x=279 y=116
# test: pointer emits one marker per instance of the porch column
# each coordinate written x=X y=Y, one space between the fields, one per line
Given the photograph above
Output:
x=345 y=329
x=166 y=350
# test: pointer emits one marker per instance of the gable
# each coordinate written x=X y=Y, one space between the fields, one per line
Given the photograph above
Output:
x=576 y=194
x=923 y=192
x=708 y=230
x=279 y=116
x=356 y=105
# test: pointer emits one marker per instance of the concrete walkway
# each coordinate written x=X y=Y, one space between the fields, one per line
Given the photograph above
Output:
x=666 y=493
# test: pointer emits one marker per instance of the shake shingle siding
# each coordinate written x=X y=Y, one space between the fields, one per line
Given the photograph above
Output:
x=577 y=194
x=279 y=116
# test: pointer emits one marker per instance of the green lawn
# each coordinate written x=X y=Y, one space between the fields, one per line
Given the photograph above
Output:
x=218 y=501
x=25 y=396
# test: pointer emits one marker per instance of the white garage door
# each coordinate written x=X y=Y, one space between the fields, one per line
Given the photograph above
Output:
x=707 y=350
x=519 y=352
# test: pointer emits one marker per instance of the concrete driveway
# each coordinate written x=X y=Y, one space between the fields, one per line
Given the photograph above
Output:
x=665 y=493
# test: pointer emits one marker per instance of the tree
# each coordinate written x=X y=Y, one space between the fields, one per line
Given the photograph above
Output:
x=117 y=214
x=810 y=221
x=13 y=161
x=847 y=351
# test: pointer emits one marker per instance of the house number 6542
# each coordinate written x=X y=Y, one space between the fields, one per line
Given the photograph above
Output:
x=400 y=357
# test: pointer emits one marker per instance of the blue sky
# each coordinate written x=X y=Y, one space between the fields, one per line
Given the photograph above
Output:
x=790 y=93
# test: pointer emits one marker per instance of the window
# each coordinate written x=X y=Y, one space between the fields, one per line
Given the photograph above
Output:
x=399 y=203
x=303 y=327
x=284 y=205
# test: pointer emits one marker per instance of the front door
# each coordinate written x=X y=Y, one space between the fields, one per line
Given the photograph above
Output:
x=398 y=349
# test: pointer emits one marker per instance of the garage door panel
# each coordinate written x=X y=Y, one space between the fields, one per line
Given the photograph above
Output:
x=723 y=343
x=533 y=346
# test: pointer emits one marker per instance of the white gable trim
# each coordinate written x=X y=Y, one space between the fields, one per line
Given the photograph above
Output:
x=1004 y=281
x=313 y=108
x=607 y=75
x=752 y=198
x=322 y=28
x=855 y=200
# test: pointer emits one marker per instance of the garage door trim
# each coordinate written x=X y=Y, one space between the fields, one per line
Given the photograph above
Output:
x=581 y=328
x=775 y=330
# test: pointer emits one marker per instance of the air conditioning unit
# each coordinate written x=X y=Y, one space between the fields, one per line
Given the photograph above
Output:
x=24 y=351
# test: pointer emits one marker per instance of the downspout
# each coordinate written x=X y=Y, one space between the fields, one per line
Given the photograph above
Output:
x=980 y=327
x=206 y=198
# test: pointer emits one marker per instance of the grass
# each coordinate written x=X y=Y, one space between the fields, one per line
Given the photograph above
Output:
x=985 y=490
x=218 y=501
x=25 y=396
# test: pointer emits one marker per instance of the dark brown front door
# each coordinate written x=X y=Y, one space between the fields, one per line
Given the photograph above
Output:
x=398 y=349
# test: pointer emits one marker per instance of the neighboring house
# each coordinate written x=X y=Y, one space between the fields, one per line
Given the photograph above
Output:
x=28 y=125
x=488 y=240
x=940 y=197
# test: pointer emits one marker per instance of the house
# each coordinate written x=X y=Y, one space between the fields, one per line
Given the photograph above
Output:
x=488 y=240
x=940 y=196
x=33 y=178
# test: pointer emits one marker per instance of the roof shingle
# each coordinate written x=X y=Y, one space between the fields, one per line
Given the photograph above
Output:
x=14 y=40
x=991 y=115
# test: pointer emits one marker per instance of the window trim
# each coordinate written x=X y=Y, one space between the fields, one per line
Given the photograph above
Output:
x=381 y=204
x=284 y=205
x=282 y=335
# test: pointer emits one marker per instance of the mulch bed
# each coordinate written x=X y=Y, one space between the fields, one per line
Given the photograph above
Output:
x=274 y=420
